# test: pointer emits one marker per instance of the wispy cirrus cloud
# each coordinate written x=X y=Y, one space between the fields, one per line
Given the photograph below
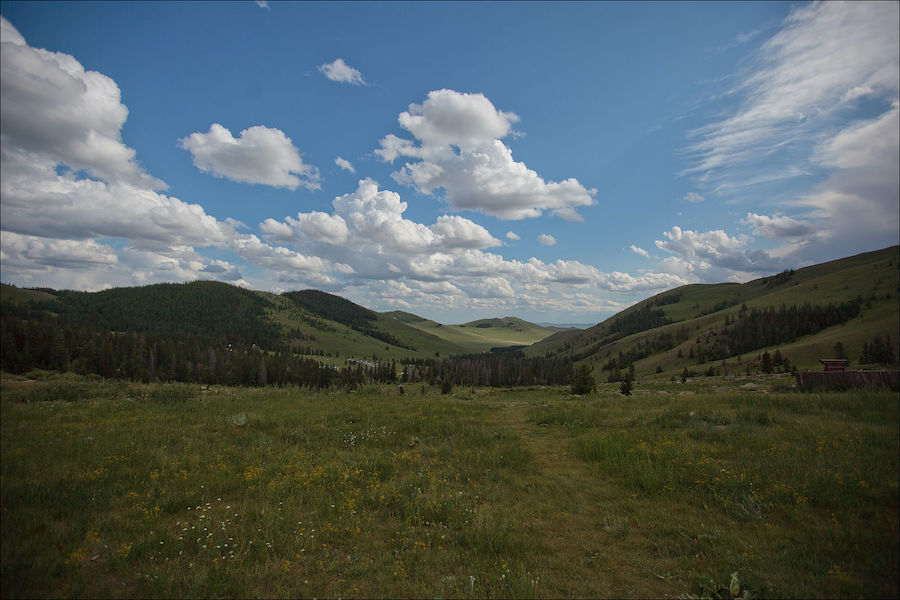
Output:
x=345 y=164
x=826 y=55
x=739 y=40
x=816 y=114
x=693 y=198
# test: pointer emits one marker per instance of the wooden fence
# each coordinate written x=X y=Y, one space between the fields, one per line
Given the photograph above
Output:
x=846 y=380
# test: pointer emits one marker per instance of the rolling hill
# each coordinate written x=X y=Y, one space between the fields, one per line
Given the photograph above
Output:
x=687 y=327
x=480 y=335
x=191 y=330
x=307 y=322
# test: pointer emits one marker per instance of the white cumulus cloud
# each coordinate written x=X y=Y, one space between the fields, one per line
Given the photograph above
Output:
x=546 y=240
x=639 y=251
x=25 y=250
x=341 y=72
x=714 y=255
x=623 y=282
x=444 y=265
x=369 y=232
x=779 y=226
x=458 y=146
x=490 y=287
x=259 y=155
x=58 y=121
x=52 y=107
x=79 y=212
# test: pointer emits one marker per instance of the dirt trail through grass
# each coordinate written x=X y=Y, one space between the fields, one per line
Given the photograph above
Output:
x=575 y=517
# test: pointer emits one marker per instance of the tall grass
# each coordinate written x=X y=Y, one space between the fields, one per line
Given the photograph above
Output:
x=132 y=490
x=151 y=490
x=823 y=463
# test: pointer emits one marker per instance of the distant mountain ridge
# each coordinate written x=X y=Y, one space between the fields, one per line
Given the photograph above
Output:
x=480 y=335
x=566 y=326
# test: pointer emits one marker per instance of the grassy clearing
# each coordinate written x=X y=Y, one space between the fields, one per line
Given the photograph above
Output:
x=118 y=489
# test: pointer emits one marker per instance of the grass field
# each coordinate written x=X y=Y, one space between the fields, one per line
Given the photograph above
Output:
x=119 y=489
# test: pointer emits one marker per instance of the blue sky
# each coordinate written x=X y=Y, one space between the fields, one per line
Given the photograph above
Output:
x=552 y=161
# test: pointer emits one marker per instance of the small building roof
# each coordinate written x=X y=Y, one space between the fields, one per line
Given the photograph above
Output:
x=834 y=364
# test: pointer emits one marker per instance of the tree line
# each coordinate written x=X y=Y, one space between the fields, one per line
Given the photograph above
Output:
x=770 y=326
x=503 y=369
x=32 y=336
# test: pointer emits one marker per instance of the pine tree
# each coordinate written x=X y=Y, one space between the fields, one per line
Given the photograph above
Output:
x=582 y=381
x=627 y=382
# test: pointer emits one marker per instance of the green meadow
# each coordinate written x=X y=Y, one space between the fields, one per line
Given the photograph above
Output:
x=736 y=487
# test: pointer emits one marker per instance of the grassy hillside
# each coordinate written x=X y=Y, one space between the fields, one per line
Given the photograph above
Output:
x=341 y=328
x=481 y=335
x=11 y=293
x=693 y=316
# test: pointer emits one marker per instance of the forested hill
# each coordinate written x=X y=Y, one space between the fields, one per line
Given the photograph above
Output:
x=213 y=332
x=207 y=313
x=332 y=307
x=207 y=309
x=842 y=307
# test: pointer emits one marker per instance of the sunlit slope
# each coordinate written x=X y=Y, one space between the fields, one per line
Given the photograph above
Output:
x=318 y=323
x=9 y=293
x=481 y=335
x=698 y=313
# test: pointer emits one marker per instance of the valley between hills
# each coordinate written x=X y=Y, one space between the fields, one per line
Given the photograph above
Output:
x=212 y=332
x=200 y=440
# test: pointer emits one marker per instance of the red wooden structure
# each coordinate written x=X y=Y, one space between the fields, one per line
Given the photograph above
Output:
x=834 y=365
